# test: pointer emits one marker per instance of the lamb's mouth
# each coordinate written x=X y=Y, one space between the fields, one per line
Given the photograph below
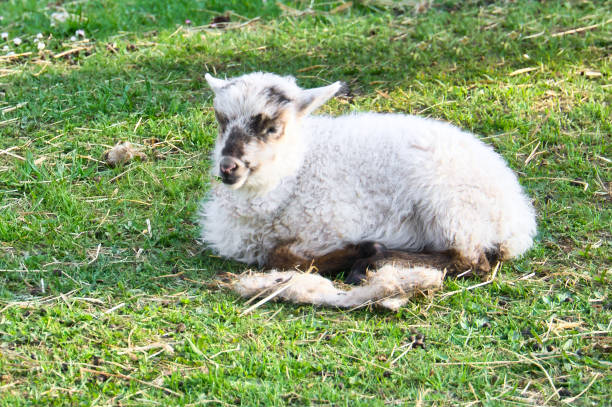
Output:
x=233 y=171
x=234 y=181
x=230 y=179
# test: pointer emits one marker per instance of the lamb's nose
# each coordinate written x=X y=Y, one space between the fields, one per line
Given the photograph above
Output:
x=228 y=165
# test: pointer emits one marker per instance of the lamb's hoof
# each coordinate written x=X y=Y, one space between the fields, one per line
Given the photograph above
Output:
x=494 y=256
x=355 y=277
x=358 y=272
x=369 y=252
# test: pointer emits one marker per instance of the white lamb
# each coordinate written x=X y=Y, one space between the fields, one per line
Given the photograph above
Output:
x=298 y=188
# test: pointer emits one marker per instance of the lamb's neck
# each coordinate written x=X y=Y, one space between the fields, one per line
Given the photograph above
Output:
x=266 y=203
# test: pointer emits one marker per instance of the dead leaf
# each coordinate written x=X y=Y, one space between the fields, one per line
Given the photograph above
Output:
x=122 y=153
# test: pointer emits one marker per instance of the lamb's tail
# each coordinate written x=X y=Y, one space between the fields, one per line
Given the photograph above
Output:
x=389 y=287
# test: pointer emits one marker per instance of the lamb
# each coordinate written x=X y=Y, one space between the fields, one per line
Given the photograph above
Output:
x=294 y=189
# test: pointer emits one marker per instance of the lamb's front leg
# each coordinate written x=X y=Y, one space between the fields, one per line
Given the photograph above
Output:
x=283 y=257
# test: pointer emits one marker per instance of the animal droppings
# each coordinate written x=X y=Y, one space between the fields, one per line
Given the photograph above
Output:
x=122 y=153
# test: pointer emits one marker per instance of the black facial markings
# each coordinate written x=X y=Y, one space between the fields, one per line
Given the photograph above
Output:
x=259 y=127
x=234 y=145
x=222 y=120
x=255 y=123
x=263 y=128
x=276 y=96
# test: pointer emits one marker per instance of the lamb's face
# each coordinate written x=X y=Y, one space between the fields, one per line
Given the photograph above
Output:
x=251 y=135
x=245 y=145
x=258 y=116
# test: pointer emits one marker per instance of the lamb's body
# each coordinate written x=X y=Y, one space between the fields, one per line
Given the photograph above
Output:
x=407 y=182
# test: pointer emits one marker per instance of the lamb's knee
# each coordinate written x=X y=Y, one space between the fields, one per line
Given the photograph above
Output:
x=369 y=249
x=475 y=261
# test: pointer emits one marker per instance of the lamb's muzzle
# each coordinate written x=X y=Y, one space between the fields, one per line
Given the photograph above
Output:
x=232 y=170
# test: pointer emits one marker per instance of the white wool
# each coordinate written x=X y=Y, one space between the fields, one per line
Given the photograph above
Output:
x=408 y=182
x=390 y=287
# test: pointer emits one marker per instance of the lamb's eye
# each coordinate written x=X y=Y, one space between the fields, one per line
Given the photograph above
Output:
x=272 y=130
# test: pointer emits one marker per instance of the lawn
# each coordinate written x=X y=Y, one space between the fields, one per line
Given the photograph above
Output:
x=106 y=296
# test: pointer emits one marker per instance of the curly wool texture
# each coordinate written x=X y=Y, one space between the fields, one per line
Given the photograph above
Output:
x=390 y=287
x=407 y=182
x=324 y=183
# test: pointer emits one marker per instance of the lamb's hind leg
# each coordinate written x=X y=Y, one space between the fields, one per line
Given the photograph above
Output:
x=284 y=258
x=381 y=256
x=372 y=256
x=376 y=255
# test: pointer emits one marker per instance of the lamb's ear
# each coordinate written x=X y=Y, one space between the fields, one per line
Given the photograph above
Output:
x=214 y=83
x=311 y=99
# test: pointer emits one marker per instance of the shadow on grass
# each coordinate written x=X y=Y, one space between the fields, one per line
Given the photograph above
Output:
x=367 y=56
x=109 y=18
x=169 y=86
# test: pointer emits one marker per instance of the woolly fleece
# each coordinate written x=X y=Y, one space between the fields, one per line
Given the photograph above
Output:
x=408 y=182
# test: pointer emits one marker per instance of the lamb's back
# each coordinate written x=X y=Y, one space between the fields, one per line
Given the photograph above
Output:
x=381 y=177
x=360 y=180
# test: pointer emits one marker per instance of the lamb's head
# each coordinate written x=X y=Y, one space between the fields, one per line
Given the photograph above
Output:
x=259 y=117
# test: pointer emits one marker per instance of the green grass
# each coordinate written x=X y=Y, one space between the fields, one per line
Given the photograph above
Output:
x=84 y=285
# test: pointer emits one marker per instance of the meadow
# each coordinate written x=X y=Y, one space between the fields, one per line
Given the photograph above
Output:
x=108 y=298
